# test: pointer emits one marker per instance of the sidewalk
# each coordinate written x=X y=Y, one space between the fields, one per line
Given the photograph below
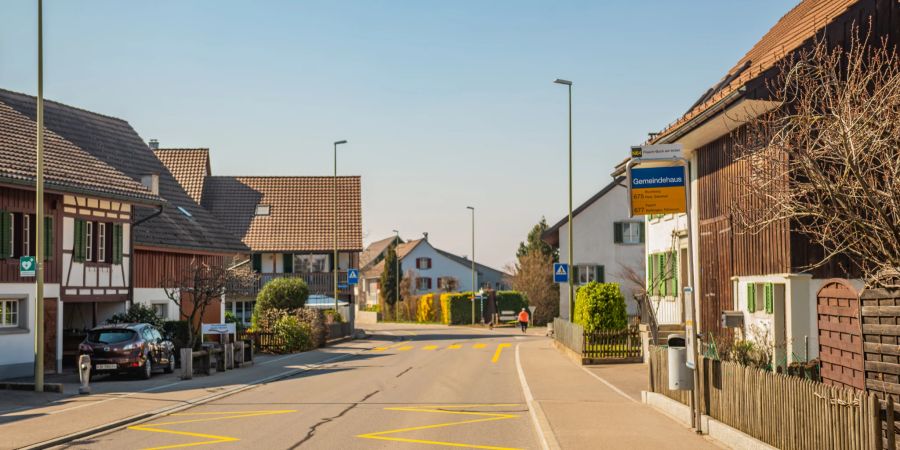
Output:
x=28 y=418
x=586 y=413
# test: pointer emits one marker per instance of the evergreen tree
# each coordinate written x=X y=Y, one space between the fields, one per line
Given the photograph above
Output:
x=388 y=281
x=534 y=242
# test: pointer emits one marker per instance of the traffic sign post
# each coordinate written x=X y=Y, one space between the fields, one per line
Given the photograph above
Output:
x=560 y=273
x=665 y=189
x=353 y=276
x=27 y=266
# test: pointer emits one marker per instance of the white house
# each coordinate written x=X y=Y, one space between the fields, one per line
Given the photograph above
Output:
x=433 y=269
x=607 y=243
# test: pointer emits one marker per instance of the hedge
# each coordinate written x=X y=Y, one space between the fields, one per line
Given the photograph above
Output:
x=511 y=301
x=456 y=308
x=427 y=310
x=600 y=306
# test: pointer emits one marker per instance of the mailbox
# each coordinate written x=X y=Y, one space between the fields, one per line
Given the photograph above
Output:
x=732 y=319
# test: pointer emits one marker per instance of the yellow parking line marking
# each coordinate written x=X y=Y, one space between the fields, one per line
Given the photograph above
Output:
x=430 y=347
x=479 y=346
x=381 y=349
x=499 y=350
x=486 y=417
x=212 y=438
x=405 y=348
x=455 y=347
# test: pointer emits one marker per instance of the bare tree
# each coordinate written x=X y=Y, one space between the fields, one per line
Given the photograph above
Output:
x=644 y=286
x=533 y=276
x=828 y=161
x=200 y=285
x=407 y=295
x=450 y=284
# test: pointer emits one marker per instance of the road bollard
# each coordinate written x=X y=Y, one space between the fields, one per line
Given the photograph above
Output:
x=187 y=364
x=84 y=374
x=229 y=356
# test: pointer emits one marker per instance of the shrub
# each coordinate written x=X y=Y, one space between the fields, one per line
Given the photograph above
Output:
x=296 y=334
x=510 y=301
x=178 y=332
x=427 y=312
x=314 y=318
x=332 y=316
x=231 y=318
x=456 y=308
x=280 y=293
x=600 y=306
x=138 y=313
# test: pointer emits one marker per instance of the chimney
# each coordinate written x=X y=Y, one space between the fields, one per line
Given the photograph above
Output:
x=154 y=144
x=426 y=236
x=151 y=182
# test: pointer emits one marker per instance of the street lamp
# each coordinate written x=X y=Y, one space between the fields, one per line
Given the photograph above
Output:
x=397 y=270
x=571 y=225
x=474 y=281
x=39 y=213
x=334 y=266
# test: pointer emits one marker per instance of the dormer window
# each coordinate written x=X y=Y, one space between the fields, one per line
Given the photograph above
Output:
x=262 y=210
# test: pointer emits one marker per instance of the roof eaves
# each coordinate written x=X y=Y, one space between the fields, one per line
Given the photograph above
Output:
x=606 y=189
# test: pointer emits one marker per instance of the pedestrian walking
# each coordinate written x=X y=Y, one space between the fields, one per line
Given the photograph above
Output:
x=523 y=319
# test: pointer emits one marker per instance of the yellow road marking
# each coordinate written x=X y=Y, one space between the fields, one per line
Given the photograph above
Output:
x=479 y=346
x=405 y=348
x=455 y=346
x=212 y=438
x=486 y=417
x=497 y=353
x=430 y=347
x=381 y=349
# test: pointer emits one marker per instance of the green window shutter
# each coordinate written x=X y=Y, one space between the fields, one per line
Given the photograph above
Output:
x=78 y=248
x=5 y=223
x=661 y=260
x=48 y=237
x=288 y=262
x=256 y=262
x=601 y=275
x=770 y=298
x=649 y=273
x=751 y=297
x=673 y=273
x=617 y=232
x=118 y=243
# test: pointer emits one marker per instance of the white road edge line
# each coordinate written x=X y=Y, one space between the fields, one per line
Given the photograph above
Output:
x=529 y=400
x=609 y=385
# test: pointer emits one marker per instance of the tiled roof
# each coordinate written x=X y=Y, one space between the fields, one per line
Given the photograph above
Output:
x=67 y=167
x=402 y=250
x=300 y=211
x=189 y=166
x=481 y=268
x=114 y=142
x=789 y=33
x=551 y=236
x=373 y=251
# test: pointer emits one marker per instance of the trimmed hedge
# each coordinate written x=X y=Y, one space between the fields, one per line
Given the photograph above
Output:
x=427 y=310
x=600 y=306
x=511 y=301
x=456 y=308
x=280 y=293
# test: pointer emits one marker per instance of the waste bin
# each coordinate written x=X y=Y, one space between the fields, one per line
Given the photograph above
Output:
x=680 y=375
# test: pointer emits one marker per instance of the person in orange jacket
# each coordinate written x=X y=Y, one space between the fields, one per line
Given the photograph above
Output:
x=523 y=319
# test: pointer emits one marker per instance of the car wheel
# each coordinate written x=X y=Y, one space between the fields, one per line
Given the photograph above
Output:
x=171 y=367
x=147 y=370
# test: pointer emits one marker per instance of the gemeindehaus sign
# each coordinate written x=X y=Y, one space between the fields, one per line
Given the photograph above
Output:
x=657 y=190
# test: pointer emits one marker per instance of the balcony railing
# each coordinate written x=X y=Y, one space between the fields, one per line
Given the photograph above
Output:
x=318 y=283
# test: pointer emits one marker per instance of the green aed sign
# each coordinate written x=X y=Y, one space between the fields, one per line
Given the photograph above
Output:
x=27 y=266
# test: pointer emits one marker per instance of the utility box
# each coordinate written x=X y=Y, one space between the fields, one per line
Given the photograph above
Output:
x=680 y=376
x=732 y=319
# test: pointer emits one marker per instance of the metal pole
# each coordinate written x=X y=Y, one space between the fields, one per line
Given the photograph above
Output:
x=334 y=267
x=39 y=215
x=571 y=225
x=474 y=281
x=695 y=398
x=397 y=271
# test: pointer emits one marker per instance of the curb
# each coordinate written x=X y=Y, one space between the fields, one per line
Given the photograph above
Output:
x=151 y=415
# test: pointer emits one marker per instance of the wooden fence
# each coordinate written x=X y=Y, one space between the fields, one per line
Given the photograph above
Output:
x=569 y=334
x=603 y=346
x=786 y=412
x=265 y=342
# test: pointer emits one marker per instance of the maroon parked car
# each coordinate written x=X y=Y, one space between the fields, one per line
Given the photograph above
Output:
x=137 y=348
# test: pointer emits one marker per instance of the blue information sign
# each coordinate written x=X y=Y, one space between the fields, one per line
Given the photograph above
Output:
x=560 y=272
x=353 y=276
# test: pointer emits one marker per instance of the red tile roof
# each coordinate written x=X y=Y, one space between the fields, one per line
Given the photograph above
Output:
x=789 y=33
x=67 y=167
x=301 y=211
x=189 y=166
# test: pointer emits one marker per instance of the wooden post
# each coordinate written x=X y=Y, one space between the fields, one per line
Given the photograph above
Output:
x=889 y=424
x=187 y=364
x=239 y=353
x=229 y=356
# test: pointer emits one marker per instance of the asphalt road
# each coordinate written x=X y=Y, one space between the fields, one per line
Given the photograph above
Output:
x=422 y=388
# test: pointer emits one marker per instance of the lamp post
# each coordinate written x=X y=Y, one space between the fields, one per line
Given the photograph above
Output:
x=334 y=266
x=571 y=225
x=397 y=270
x=39 y=215
x=474 y=281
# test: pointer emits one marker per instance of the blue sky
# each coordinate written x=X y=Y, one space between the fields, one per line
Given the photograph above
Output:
x=445 y=104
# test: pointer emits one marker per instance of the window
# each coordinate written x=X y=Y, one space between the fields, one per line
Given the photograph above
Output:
x=161 y=310
x=26 y=235
x=662 y=274
x=423 y=263
x=89 y=241
x=242 y=310
x=447 y=283
x=312 y=263
x=586 y=273
x=263 y=210
x=628 y=232
x=9 y=313
x=101 y=242
x=761 y=297
x=10 y=226
x=423 y=283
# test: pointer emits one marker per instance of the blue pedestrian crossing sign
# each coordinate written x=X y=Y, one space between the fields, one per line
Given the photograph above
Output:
x=560 y=273
x=353 y=276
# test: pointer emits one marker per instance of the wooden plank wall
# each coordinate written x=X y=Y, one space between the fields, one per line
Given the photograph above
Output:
x=881 y=342
x=840 y=335
x=154 y=269
x=20 y=200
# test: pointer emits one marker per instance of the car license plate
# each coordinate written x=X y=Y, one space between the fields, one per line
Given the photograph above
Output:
x=107 y=366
